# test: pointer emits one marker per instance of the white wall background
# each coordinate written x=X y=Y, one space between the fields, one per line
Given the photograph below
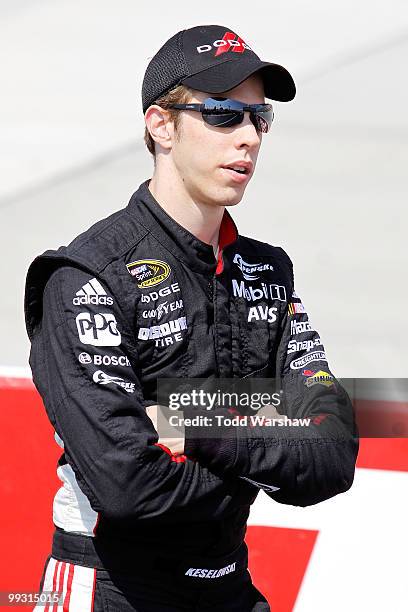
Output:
x=331 y=188
x=331 y=184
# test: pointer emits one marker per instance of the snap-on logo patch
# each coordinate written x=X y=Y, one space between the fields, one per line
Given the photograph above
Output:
x=149 y=272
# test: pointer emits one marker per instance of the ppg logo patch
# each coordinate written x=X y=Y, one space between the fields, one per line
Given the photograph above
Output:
x=98 y=329
x=149 y=272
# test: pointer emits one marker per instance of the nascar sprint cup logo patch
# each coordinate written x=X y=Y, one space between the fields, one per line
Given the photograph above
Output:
x=149 y=272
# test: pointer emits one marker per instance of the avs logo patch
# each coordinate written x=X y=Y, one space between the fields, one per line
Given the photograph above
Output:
x=149 y=272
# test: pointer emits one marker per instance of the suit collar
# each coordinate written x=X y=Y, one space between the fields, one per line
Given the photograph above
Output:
x=192 y=251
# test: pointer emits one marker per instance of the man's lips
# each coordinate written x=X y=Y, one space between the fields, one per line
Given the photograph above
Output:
x=239 y=166
x=239 y=172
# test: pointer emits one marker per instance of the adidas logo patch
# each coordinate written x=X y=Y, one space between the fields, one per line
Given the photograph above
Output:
x=92 y=293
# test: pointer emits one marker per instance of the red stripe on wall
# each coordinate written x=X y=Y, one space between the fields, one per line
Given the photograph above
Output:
x=381 y=418
x=272 y=550
x=383 y=454
x=28 y=483
x=28 y=462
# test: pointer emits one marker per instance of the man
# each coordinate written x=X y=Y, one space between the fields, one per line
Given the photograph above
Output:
x=167 y=288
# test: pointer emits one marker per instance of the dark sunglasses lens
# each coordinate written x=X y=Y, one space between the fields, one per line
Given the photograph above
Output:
x=222 y=112
x=222 y=117
x=262 y=120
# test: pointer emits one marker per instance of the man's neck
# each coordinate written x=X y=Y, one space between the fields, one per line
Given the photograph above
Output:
x=201 y=220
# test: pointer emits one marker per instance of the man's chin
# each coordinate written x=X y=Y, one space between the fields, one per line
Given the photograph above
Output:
x=233 y=197
x=224 y=196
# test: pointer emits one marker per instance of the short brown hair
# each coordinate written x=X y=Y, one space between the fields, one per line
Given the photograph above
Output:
x=179 y=95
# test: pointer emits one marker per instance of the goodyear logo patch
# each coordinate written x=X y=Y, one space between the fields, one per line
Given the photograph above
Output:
x=318 y=378
x=149 y=272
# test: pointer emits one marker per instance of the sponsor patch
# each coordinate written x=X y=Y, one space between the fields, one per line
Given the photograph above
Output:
x=262 y=313
x=252 y=294
x=230 y=42
x=305 y=345
x=98 y=329
x=162 y=309
x=319 y=378
x=149 y=272
x=249 y=271
x=298 y=327
x=260 y=485
x=105 y=379
x=308 y=373
x=165 y=329
x=107 y=360
x=308 y=358
x=155 y=295
x=92 y=293
x=84 y=358
x=201 y=572
x=296 y=308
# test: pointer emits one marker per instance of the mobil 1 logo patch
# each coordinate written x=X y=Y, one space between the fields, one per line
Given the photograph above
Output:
x=265 y=291
x=98 y=329
x=106 y=360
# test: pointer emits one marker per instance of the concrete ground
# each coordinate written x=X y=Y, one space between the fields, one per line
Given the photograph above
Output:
x=331 y=182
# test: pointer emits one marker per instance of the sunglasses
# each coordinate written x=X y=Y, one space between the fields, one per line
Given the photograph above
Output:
x=225 y=113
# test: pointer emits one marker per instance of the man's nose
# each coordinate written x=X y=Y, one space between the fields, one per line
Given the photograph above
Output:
x=246 y=134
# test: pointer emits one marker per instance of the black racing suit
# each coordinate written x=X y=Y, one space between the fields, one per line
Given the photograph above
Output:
x=137 y=298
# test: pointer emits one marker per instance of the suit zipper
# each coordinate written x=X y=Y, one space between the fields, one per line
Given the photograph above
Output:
x=212 y=289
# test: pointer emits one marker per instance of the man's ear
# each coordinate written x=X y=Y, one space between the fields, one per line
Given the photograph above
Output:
x=160 y=126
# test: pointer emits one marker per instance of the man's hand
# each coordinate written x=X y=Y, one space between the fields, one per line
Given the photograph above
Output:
x=174 y=438
x=270 y=411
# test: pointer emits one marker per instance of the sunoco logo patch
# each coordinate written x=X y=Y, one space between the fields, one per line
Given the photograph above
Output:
x=318 y=378
x=149 y=272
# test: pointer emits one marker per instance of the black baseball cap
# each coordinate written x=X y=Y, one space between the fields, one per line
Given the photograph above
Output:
x=213 y=59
